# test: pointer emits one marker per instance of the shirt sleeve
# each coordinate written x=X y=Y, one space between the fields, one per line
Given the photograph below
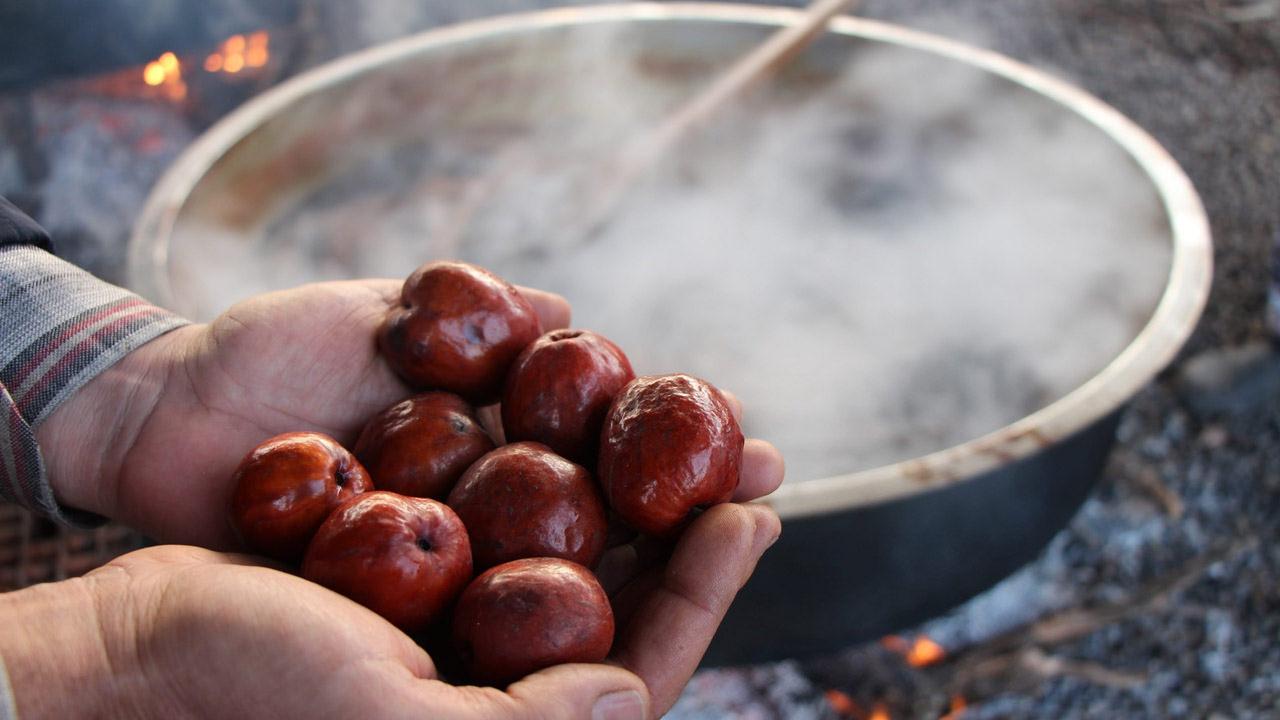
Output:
x=59 y=328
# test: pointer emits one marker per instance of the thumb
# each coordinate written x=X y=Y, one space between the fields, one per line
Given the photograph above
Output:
x=568 y=692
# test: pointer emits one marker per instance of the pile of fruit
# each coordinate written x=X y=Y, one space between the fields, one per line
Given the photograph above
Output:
x=496 y=543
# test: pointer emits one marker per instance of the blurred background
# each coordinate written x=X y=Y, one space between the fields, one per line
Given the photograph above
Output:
x=1161 y=599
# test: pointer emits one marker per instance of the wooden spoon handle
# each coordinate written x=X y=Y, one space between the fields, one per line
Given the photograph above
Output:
x=642 y=153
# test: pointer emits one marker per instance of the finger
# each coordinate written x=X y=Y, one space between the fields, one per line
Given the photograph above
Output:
x=553 y=310
x=665 y=638
x=491 y=419
x=387 y=288
x=761 y=473
x=620 y=565
x=572 y=692
x=735 y=405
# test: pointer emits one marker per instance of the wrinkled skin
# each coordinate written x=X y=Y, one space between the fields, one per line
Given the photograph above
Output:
x=559 y=389
x=287 y=486
x=458 y=327
x=403 y=558
x=670 y=448
x=522 y=501
x=421 y=446
x=527 y=615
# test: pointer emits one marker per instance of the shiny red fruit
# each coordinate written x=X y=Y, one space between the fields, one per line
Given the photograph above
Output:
x=421 y=446
x=559 y=389
x=530 y=614
x=670 y=448
x=522 y=500
x=404 y=558
x=458 y=327
x=287 y=486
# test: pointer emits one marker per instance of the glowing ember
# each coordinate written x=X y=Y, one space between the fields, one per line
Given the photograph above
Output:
x=879 y=712
x=165 y=73
x=257 y=54
x=153 y=74
x=843 y=705
x=239 y=52
x=920 y=652
x=925 y=652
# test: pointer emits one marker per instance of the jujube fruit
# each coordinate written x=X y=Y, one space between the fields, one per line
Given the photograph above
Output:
x=526 y=615
x=559 y=389
x=522 y=500
x=458 y=327
x=286 y=487
x=421 y=446
x=670 y=447
x=405 y=558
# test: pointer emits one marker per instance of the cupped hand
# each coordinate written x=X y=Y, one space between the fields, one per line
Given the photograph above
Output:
x=227 y=636
x=199 y=398
x=187 y=632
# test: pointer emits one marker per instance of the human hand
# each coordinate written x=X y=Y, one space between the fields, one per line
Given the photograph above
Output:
x=154 y=441
x=179 y=631
x=184 y=409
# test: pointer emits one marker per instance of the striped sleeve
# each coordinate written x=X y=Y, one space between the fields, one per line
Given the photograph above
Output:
x=59 y=329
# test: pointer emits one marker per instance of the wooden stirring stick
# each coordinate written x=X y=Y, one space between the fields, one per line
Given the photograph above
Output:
x=604 y=184
x=749 y=70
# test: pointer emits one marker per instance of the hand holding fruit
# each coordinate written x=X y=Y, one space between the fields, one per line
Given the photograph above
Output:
x=303 y=360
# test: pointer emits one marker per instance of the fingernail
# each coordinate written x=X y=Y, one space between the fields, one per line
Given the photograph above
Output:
x=619 y=705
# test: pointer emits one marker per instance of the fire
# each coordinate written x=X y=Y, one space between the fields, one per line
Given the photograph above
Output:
x=879 y=712
x=165 y=73
x=236 y=53
x=921 y=652
x=239 y=52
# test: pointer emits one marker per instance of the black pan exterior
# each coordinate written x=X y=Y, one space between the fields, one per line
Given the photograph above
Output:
x=845 y=577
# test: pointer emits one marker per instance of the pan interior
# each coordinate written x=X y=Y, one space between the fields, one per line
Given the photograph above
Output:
x=884 y=252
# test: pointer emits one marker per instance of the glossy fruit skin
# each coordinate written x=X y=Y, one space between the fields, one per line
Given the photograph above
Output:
x=559 y=389
x=458 y=327
x=404 y=558
x=287 y=486
x=522 y=501
x=421 y=446
x=669 y=448
x=526 y=615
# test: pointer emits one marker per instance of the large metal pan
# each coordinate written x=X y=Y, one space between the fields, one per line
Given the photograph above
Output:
x=868 y=546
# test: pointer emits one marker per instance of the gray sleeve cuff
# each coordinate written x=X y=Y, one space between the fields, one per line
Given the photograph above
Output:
x=59 y=328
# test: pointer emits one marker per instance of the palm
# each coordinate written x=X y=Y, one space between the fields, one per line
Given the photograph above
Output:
x=215 y=611
x=302 y=359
